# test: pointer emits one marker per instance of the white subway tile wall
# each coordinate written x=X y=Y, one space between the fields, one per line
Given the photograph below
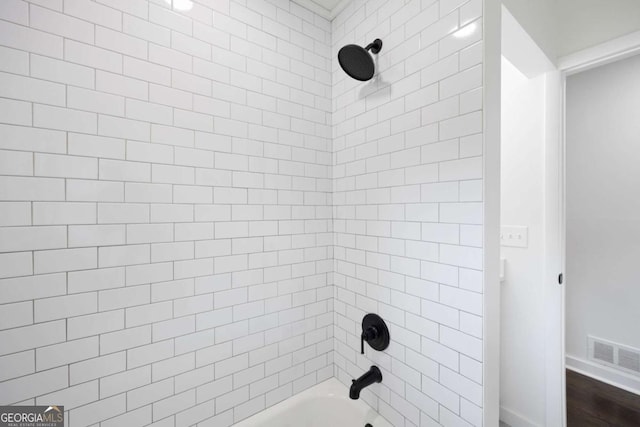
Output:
x=407 y=198
x=166 y=242
x=181 y=190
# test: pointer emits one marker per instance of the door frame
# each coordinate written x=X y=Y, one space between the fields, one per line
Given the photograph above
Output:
x=492 y=30
x=555 y=216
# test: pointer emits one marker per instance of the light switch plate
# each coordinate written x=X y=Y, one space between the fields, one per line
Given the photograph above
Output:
x=514 y=235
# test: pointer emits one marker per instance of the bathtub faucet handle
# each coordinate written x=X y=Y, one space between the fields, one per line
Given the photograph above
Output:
x=374 y=332
x=370 y=334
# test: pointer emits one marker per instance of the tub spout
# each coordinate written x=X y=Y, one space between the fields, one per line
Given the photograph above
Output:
x=373 y=375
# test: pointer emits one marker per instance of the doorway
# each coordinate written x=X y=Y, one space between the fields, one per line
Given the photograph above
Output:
x=531 y=299
x=533 y=356
x=541 y=400
x=602 y=143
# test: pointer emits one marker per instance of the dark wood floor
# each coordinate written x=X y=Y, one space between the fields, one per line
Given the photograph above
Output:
x=591 y=403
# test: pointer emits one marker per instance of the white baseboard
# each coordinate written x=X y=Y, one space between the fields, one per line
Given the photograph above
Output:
x=628 y=382
x=513 y=419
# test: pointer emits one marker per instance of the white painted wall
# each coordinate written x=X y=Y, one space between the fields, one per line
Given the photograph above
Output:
x=603 y=221
x=522 y=203
x=530 y=390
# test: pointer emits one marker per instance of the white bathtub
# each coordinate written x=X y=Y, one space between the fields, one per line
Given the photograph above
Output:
x=326 y=404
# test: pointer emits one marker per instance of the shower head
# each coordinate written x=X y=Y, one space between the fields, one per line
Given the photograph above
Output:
x=356 y=61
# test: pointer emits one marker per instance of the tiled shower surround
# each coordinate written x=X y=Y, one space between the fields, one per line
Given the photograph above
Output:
x=198 y=207
x=407 y=198
x=168 y=251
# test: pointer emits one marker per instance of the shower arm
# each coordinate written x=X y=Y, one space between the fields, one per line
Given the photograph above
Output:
x=374 y=46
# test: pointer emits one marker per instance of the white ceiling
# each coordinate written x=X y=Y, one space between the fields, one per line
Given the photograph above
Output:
x=327 y=8
x=327 y=4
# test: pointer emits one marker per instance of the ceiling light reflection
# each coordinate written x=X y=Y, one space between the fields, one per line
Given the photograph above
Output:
x=183 y=5
x=466 y=31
